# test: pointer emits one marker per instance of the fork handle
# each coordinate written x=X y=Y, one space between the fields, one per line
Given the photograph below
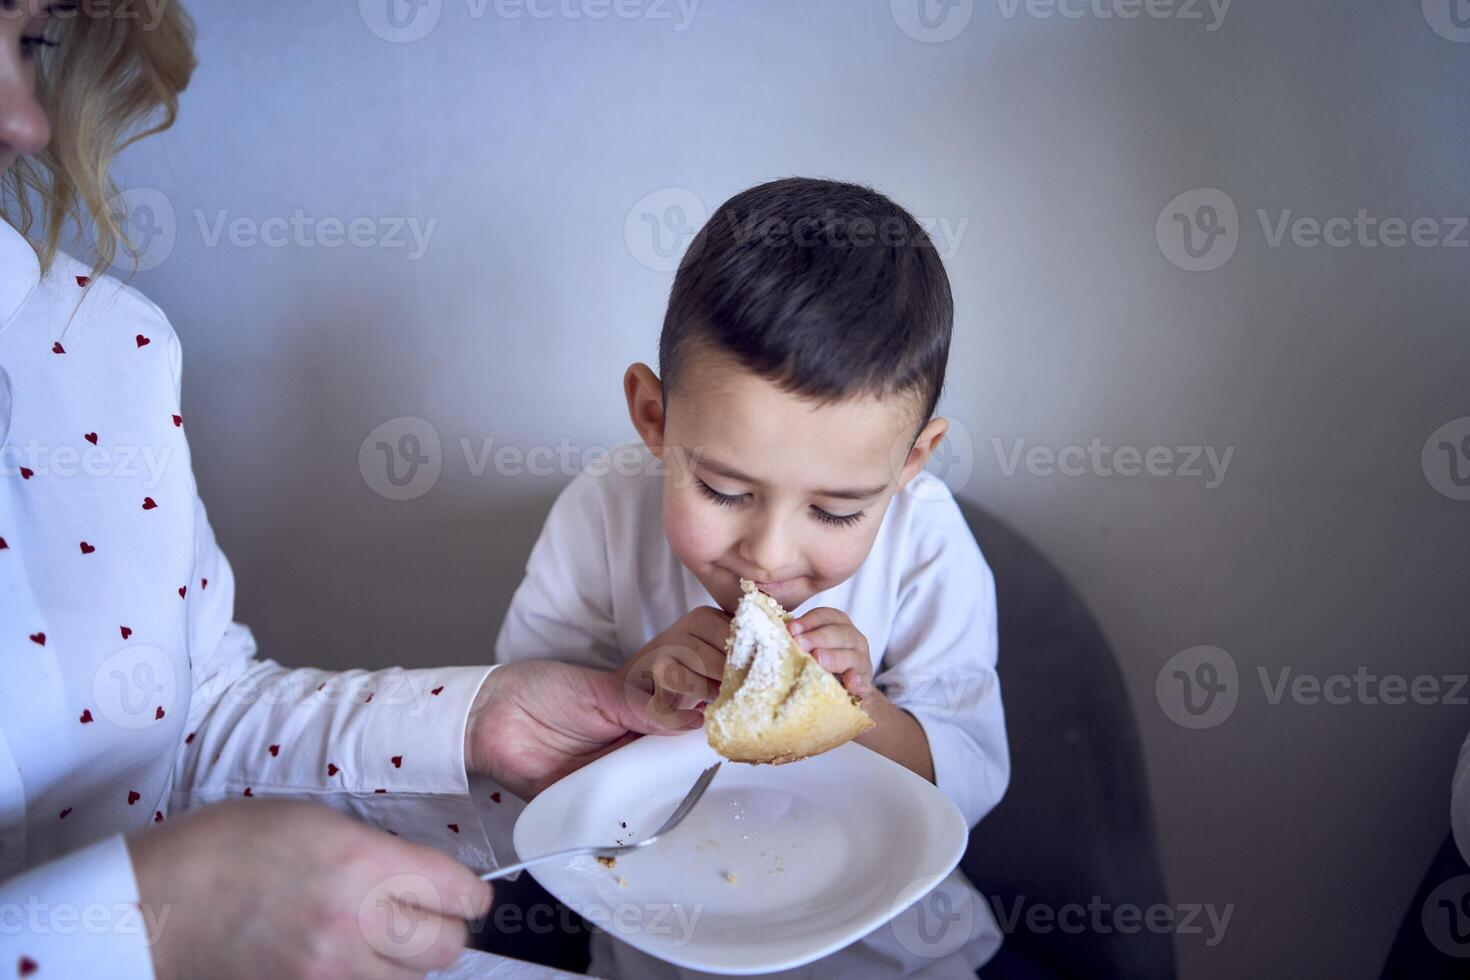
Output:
x=511 y=869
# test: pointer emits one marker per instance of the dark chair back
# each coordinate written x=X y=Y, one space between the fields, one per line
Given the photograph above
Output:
x=1076 y=826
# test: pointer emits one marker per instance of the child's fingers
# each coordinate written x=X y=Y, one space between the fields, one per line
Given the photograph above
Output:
x=839 y=661
x=857 y=683
x=663 y=711
x=820 y=616
x=709 y=624
x=704 y=661
x=837 y=636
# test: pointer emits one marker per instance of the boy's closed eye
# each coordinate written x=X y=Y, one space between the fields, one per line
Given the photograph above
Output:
x=736 y=499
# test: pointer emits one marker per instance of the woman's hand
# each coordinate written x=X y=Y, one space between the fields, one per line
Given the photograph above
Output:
x=535 y=721
x=274 y=888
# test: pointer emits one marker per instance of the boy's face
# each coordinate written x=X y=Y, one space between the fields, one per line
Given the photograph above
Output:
x=762 y=484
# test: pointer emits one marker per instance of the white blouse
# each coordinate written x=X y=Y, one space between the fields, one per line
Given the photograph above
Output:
x=127 y=693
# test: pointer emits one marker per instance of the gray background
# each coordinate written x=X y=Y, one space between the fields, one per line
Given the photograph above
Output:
x=1053 y=143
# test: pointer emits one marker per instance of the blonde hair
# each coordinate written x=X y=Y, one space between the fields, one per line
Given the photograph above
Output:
x=113 y=78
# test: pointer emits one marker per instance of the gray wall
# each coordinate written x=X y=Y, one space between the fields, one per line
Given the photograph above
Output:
x=1049 y=147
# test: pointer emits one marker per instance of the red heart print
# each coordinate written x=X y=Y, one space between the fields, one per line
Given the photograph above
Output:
x=38 y=638
x=158 y=816
x=91 y=437
x=83 y=280
x=189 y=737
x=26 y=472
x=56 y=348
x=393 y=832
x=321 y=685
x=158 y=715
x=204 y=583
x=87 y=549
x=368 y=699
x=495 y=797
x=143 y=341
x=380 y=791
x=247 y=791
x=86 y=718
x=133 y=797
x=64 y=813
x=178 y=421
x=454 y=827
x=275 y=750
x=148 y=503
x=397 y=761
x=3 y=545
x=183 y=589
x=28 y=966
x=125 y=631
x=438 y=690
x=332 y=769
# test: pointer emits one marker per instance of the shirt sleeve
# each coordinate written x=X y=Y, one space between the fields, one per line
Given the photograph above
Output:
x=562 y=609
x=66 y=917
x=940 y=662
x=385 y=746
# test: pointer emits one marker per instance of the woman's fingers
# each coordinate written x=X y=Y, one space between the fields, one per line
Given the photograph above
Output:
x=444 y=946
x=437 y=883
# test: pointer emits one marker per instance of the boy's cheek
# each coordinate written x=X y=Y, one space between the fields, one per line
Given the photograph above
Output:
x=695 y=536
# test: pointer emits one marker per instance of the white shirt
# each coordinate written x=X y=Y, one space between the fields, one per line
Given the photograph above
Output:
x=127 y=693
x=602 y=582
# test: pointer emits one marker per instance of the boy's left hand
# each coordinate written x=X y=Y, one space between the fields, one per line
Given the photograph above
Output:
x=828 y=635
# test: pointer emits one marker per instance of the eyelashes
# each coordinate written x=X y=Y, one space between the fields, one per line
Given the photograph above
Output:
x=30 y=45
x=723 y=499
x=736 y=499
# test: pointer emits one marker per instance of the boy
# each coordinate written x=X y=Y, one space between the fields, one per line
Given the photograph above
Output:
x=802 y=357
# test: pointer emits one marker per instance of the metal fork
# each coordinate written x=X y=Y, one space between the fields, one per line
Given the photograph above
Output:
x=680 y=812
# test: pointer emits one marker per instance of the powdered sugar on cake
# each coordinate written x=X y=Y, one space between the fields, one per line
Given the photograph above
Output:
x=760 y=641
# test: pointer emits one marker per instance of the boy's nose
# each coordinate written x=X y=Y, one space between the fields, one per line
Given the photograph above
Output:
x=769 y=552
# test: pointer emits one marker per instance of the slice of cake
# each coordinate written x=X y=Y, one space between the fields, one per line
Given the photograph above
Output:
x=776 y=703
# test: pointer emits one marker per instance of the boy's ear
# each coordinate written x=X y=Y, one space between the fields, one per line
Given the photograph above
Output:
x=930 y=436
x=645 y=395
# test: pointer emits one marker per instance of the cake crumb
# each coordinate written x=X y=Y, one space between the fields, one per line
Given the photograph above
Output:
x=607 y=862
x=732 y=877
x=622 y=882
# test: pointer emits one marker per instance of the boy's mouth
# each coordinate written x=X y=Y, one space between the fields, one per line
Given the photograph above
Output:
x=766 y=586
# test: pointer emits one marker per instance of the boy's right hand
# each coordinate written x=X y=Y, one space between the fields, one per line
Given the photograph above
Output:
x=679 y=670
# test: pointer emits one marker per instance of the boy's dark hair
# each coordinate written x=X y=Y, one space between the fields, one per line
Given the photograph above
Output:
x=825 y=288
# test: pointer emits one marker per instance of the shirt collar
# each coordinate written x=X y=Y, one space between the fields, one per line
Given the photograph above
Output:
x=20 y=272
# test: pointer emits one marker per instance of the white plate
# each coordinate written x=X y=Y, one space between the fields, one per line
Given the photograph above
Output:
x=822 y=851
